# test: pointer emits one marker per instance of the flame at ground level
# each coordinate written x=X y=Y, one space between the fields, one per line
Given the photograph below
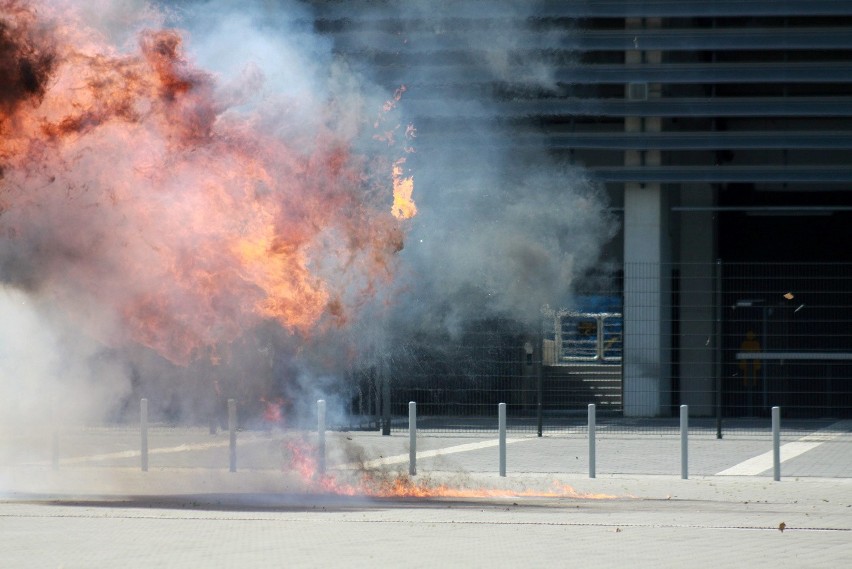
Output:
x=403 y=486
x=301 y=458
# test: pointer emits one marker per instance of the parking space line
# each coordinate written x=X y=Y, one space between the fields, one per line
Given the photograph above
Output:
x=137 y=453
x=763 y=462
x=403 y=458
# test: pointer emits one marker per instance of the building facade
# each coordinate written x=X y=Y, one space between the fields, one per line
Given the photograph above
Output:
x=721 y=132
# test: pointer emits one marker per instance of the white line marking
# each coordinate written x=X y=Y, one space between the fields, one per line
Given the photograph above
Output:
x=385 y=461
x=403 y=458
x=135 y=453
x=138 y=453
x=763 y=462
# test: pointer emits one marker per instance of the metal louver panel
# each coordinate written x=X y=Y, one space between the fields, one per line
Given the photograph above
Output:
x=766 y=174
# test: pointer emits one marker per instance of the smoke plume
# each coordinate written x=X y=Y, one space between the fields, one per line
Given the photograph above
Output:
x=202 y=196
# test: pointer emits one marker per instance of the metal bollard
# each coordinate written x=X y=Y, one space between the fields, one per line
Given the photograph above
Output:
x=54 y=442
x=684 y=441
x=143 y=428
x=591 y=440
x=232 y=429
x=55 y=448
x=412 y=438
x=386 y=406
x=321 y=436
x=501 y=420
x=776 y=443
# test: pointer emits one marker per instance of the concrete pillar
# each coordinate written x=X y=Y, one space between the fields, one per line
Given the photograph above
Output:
x=646 y=364
x=647 y=313
x=697 y=313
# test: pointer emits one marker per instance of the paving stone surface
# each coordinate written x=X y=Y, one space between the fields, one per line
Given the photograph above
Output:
x=99 y=509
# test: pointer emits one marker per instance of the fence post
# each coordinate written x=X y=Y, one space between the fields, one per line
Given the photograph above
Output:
x=501 y=420
x=386 y=404
x=54 y=438
x=55 y=448
x=143 y=428
x=321 y=436
x=776 y=443
x=591 y=440
x=540 y=396
x=684 y=441
x=540 y=380
x=232 y=429
x=412 y=438
x=718 y=365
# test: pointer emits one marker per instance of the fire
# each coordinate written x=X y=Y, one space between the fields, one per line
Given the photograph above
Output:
x=403 y=187
x=300 y=457
x=272 y=410
x=134 y=189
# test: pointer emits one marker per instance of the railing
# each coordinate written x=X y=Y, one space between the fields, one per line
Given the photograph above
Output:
x=731 y=340
x=589 y=336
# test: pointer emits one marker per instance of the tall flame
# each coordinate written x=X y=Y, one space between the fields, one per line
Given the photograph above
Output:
x=403 y=187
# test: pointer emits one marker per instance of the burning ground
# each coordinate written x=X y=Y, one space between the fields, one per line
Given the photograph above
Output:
x=355 y=479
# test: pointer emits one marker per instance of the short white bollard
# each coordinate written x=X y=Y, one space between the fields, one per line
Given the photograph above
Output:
x=55 y=448
x=591 y=440
x=776 y=443
x=232 y=429
x=412 y=438
x=54 y=442
x=143 y=428
x=684 y=441
x=501 y=425
x=321 y=436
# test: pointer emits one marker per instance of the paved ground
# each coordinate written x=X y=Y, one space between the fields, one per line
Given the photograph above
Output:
x=98 y=509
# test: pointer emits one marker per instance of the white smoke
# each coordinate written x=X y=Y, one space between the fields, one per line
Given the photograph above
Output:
x=494 y=236
x=503 y=229
x=51 y=376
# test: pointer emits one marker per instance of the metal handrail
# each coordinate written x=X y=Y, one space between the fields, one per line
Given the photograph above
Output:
x=604 y=348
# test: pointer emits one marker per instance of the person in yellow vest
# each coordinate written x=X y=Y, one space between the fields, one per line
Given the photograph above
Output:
x=750 y=368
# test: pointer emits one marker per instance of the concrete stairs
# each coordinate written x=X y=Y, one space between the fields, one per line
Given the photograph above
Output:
x=572 y=387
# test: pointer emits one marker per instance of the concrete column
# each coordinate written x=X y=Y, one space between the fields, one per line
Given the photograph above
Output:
x=697 y=313
x=646 y=364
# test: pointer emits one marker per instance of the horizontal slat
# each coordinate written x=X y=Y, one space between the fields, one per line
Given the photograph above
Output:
x=648 y=140
x=769 y=174
x=522 y=38
x=673 y=107
x=719 y=39
x=710 y=73
x=806 y=356
x=361 y=9
x=695 y=8
x=473 y=75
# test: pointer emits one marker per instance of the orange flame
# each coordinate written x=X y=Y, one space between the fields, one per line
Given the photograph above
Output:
x=129 y=185
x=273 y=410
x=301 y=459
x=403 y=187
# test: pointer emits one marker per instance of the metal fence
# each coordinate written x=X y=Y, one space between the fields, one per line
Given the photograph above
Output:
x=731 y=340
